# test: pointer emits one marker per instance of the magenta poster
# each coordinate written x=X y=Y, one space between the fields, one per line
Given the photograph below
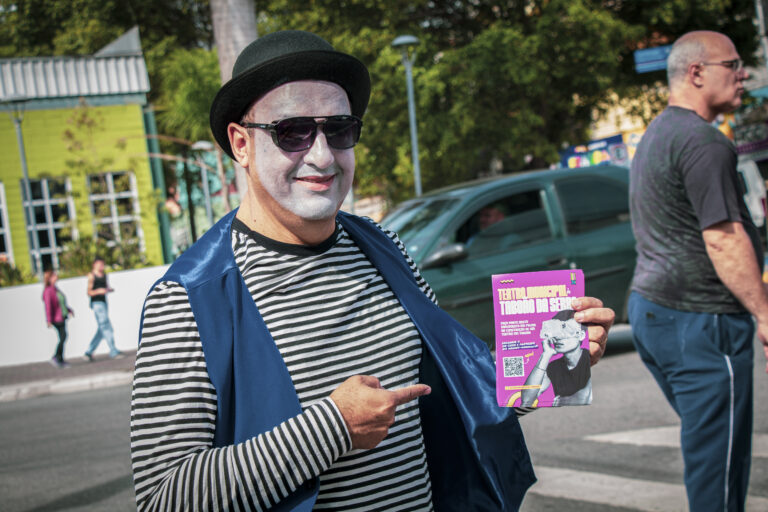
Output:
x=542 y=352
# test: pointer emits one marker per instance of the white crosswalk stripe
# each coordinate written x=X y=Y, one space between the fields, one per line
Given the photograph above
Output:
x=667 y=436
x=632 y=493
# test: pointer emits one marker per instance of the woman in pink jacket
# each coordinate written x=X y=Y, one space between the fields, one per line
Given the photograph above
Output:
x=56 y=313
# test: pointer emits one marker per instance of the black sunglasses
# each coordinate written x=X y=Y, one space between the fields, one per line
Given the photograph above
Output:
x=298 y=133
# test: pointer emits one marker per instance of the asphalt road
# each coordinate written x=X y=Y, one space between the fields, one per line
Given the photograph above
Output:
x=622 y=452
x=71 y=452
x=67 y=452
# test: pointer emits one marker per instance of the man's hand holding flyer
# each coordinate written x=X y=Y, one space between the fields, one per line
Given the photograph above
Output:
x=542 y=352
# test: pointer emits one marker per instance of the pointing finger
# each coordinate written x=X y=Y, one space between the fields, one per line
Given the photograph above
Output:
x=406 y=394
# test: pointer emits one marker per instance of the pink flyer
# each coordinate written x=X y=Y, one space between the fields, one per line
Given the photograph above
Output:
x=542 y=353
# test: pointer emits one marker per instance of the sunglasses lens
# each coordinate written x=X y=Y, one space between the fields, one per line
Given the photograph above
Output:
x=342 y=132
x=298 y=133
x=295 y=134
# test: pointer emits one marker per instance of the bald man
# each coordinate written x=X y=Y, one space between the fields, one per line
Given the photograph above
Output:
x=697 y=281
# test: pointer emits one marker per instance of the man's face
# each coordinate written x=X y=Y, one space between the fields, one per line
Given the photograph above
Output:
x=309 y=184
x=722 y=86
x=489 y=216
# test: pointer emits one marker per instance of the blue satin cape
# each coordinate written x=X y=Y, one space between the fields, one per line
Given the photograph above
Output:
x=476 y=452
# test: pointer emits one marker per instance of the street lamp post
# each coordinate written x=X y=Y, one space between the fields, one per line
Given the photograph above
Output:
x=16 y=114
x=404 y=43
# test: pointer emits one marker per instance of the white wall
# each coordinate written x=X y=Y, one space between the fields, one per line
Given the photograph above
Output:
x=25 y=337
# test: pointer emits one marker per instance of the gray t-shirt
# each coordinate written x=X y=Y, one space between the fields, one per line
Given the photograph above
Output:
x=682 y=181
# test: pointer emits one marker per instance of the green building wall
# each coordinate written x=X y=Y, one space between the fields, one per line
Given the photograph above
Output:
x=117 y=135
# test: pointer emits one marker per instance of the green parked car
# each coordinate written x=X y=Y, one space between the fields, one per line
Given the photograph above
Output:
x=540 y=220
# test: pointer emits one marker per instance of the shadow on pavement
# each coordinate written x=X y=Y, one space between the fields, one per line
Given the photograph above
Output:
x=87 y=497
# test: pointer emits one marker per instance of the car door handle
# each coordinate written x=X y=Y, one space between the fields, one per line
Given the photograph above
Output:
x=557 y=261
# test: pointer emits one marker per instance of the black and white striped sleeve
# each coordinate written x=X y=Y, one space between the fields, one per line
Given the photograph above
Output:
x=173 y=418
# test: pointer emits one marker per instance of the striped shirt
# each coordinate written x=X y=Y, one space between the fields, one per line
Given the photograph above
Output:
x=331 y=316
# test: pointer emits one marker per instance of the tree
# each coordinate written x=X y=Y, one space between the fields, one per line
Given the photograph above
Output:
x=234 y=27
x=188 y=80
x=495 y=94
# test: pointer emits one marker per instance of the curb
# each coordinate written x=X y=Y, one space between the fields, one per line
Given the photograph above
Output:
x=60 y=386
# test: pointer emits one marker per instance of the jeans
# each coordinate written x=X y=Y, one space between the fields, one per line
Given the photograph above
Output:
x=104 y=329
x=703 y=364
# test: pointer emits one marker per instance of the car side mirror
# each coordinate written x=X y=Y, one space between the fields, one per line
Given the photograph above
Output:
x=448 y=254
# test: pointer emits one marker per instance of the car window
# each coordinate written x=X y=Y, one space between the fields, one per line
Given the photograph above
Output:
x=504 y=224
x=591 y=203
x=416 y=221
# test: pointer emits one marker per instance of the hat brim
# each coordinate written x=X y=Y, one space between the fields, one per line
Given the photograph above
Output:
x=238 y=94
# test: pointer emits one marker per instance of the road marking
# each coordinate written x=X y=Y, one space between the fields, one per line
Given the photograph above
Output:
x=635 y=494
x=668 y=437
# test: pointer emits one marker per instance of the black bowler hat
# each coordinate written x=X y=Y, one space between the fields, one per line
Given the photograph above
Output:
x=279 y=58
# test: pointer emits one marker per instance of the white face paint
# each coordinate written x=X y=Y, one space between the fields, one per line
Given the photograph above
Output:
x=309 y=184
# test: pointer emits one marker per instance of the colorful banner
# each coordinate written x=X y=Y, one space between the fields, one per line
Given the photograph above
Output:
x=610 y=150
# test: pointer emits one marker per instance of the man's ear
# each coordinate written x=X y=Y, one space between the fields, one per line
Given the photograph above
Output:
x=695 y=74
x=238 y=140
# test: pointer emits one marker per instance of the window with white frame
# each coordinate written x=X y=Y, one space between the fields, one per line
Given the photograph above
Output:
x=6 y=251
x=52 y=219
x=115 y=207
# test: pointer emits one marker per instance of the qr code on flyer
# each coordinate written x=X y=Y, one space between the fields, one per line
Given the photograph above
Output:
x=513 y=366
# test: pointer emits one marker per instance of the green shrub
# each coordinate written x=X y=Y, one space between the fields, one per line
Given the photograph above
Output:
x=12 y=276
x=77 y=256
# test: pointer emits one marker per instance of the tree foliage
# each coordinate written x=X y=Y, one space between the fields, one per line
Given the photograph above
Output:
x=76 y=258
x=78 y=27
x=187 y=81
x=499 y=84
x=13 y=276
x=30 y=28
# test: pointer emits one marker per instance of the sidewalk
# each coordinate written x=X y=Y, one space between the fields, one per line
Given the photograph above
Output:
x=37 y=379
